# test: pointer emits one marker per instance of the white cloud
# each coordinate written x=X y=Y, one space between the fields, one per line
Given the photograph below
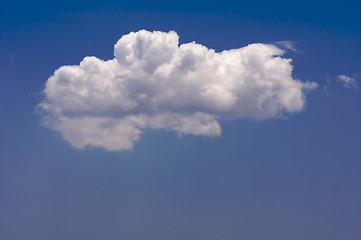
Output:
x=348 y=82
x=154 y=83
x=287 y=45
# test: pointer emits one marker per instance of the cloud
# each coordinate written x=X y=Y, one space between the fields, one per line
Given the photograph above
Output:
x=348 y=82
x=290 y=45
x=153 y=82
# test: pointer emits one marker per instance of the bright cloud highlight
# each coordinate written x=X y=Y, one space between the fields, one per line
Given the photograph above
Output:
x=153 y=82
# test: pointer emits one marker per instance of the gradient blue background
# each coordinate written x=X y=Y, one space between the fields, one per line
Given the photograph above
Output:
x=298 y=178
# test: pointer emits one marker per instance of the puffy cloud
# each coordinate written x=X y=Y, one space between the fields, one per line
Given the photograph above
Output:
x=153 y=82
x=348 y=82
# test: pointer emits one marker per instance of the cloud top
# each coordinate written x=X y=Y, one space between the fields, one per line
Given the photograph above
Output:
x=153 y=82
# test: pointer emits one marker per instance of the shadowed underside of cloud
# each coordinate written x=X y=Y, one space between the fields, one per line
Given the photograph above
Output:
x=153 y=82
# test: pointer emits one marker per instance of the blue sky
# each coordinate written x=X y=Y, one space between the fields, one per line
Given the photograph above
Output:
x=294 y=178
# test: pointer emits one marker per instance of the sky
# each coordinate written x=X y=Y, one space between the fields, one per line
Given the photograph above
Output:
x=186 y=120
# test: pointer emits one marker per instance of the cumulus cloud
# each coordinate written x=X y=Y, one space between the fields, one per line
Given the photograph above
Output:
x=348 y=82
x=153 y=82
